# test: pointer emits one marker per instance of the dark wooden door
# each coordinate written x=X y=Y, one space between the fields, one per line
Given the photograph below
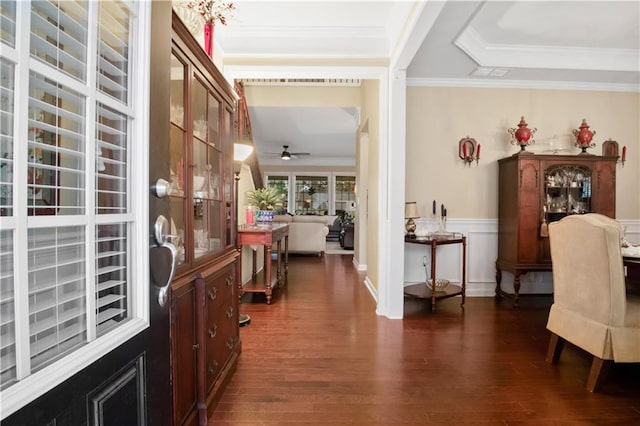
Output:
x=131 y=385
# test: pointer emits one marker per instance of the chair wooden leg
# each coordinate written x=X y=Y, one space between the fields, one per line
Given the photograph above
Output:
x=556 y=343
x=598 y=373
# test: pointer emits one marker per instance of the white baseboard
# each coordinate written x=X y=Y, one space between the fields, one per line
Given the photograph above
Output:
x=372 y=290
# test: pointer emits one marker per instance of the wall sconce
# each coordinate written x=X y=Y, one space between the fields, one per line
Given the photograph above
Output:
x=610 y=149
x=469 y=150
x=410 y=213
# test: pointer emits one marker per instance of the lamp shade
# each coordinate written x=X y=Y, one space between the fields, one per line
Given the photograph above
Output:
x=411 y=210
x=241 y=150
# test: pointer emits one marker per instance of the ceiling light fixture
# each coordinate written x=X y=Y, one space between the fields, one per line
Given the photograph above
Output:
x=286 y=155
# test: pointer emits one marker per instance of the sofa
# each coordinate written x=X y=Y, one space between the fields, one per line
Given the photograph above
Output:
x=307 y=234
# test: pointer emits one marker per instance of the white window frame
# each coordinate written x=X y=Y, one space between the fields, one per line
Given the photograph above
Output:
x=36 y=384
x=292 y=175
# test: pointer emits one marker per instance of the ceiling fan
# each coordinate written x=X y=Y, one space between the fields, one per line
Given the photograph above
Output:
x=286 y=155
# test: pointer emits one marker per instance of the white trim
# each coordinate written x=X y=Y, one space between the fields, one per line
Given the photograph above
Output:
x=391 y=184
x=380 y=74
x=140 y=204
x=493 y=83
x=359 y=266
x=552 y=57
x=372 y=289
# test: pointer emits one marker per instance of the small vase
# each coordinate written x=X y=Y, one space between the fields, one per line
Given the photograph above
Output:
x=584 y=136
x=208 y=38
x=522 y=135
x=264 y=217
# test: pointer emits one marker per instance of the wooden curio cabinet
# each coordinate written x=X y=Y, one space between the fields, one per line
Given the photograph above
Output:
x=535 y=190
x=204 y=303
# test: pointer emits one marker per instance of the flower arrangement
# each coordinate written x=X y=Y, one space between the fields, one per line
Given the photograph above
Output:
x=212 y=11
x=265 y=198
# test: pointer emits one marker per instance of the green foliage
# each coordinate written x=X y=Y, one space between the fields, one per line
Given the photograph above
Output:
x=265 y=198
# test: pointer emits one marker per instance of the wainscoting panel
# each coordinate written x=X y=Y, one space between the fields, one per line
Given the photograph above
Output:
x=482 y=251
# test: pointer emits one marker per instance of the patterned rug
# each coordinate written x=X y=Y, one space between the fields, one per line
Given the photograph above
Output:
x=333 y=247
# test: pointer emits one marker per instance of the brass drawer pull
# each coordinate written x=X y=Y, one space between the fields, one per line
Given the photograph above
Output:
x=213 y=368
x=213 y=331
x=196 y=346
x=213 y=293
x=229 y=343
x=229 y=280
x=229 y=312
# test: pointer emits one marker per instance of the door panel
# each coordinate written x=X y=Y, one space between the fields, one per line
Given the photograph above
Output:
x=121 y=387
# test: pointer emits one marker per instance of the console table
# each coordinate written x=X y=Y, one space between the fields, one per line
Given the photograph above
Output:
x=421 y=290
x=266 y=236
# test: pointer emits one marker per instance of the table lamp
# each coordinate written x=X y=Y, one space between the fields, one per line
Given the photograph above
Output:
x=410 y=213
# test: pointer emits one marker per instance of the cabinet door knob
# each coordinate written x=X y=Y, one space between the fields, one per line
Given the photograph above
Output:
x=213 y=331
x=196 y=346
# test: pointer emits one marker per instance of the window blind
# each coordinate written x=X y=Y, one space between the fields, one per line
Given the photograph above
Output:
x=6 y=137
x=7 y=320
x=56 y=148
x=8 y=22
x=57 y=288
x=59 y=35
x=113 y=50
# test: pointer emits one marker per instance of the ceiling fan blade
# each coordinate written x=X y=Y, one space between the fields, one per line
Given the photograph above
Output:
x=300 y=153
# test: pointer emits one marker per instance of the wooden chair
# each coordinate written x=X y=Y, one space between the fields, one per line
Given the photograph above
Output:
x=591 y=308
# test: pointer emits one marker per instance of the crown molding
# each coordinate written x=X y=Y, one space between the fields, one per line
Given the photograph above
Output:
x=531 y=56
x=523 y=84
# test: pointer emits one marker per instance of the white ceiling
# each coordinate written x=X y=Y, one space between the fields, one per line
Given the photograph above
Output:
x=546 y=44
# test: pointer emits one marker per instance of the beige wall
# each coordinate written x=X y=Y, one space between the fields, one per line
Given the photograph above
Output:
x=437 y=118
x=343 y=96
x=371 y=119
x=245 y=184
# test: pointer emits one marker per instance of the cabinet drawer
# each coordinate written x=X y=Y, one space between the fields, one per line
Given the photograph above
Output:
x=220 y=289
x=221 y=341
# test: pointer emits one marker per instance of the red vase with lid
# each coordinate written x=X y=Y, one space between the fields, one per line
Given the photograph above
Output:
x=584 y=136
x=522 y=135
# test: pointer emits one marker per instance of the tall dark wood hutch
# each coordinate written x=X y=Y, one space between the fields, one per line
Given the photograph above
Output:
x=205 y=341
x=535 y=190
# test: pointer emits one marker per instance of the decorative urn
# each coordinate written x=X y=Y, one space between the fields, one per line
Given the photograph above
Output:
x=584 y=136
x=522 y=135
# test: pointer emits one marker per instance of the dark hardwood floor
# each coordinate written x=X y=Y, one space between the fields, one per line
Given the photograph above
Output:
x=319 y=355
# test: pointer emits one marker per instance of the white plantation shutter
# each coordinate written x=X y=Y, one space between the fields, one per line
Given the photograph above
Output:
x=59 y=35
x=7 y=310
x=69 y=198
x=56 y=145
x=57 y=288
x=113 y=50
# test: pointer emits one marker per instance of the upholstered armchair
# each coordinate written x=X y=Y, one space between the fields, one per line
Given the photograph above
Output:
x=591 y=308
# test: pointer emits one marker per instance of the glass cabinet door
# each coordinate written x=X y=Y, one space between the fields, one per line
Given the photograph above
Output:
x=206 y=169
x=567 y=191
x=177 y=156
